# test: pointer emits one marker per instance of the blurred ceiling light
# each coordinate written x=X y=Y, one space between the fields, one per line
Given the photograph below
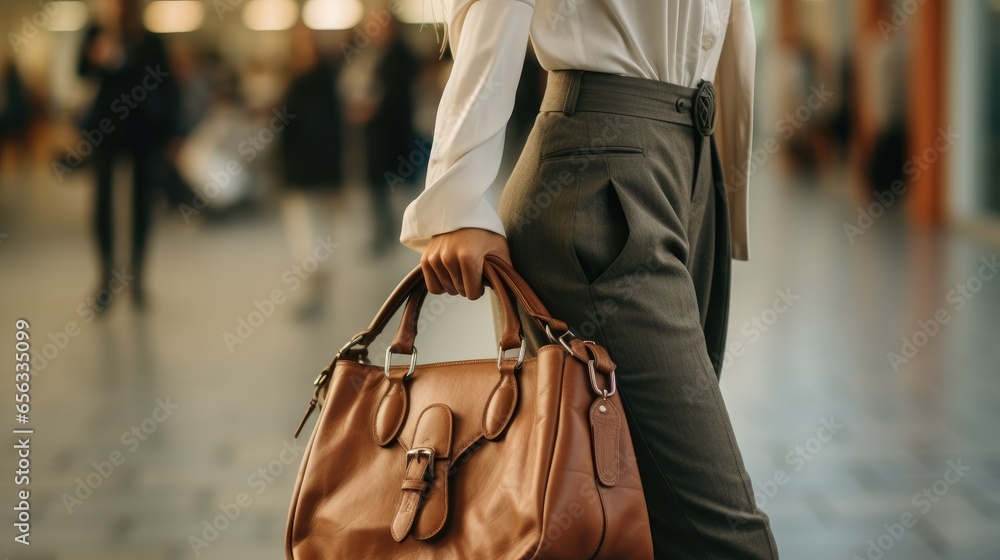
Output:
x=332 y=14
x=173 y=16
x=67 y=16
x=270 y=15
x=420 y=11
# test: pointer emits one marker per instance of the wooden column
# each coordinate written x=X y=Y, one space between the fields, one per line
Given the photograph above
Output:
x=927 y=112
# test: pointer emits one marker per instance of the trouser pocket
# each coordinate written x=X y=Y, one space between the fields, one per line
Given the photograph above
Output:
x=600 y=225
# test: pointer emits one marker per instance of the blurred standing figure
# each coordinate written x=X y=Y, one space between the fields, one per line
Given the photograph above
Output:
x=385 y=71
x=15 y=107
x=134 y=111
x=880 y=99
x=311 y=150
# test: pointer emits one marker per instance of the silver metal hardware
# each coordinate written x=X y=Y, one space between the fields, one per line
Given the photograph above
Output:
x=602 y=408
x=593 y=382
x=351 y=343
x=520 y=355
x=413 y=362
x=321 y=380
x=559 y=339
x=590 y=363
x=416 y=453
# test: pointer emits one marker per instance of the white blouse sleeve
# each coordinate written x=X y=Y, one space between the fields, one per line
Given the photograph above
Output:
x=488 y=40
x=735 y=81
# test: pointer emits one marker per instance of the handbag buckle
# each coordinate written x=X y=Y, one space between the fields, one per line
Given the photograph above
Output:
x=416 y=453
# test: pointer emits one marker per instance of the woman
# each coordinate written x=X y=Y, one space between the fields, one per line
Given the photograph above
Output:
x=135 y=109
x=617 y=214
x=311 y=152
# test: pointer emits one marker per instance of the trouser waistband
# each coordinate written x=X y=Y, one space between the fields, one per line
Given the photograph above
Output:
x=570 y=91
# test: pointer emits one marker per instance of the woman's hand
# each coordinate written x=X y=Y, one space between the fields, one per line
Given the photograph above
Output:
x=453 y=261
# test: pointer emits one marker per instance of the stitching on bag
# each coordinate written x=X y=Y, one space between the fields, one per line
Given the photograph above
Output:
x=510 y=410
x=399 y=422
x=451 y=422
x=513 y=402
x=604 y=523
x=548 y=477
x=466 y=445
x=375 y=416
x=486 y=411
x=606 y=454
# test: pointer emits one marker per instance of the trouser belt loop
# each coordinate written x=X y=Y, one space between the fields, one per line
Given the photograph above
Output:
x=572 y=91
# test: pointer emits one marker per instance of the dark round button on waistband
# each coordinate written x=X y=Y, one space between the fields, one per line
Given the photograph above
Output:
x=703 y=114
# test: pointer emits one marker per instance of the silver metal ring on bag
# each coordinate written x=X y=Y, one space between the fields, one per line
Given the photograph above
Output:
x=520 y=355
x=413 y=362
x=593 y=381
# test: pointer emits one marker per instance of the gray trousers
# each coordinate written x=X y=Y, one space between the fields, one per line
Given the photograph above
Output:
x=616 y=216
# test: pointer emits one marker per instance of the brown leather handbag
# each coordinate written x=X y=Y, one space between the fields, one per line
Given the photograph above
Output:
x=481 y=459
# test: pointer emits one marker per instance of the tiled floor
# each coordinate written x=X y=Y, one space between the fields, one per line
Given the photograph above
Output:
x=836 y=442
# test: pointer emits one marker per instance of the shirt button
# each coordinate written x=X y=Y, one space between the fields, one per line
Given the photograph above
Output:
x=708 y=42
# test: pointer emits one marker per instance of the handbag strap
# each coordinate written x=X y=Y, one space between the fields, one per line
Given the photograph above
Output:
x=509 y=340
x=524 y=294
x=399 y=295
x=495 y=269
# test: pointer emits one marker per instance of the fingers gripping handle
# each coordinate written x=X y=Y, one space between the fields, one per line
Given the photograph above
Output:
x=405 y=336
x=412 y=290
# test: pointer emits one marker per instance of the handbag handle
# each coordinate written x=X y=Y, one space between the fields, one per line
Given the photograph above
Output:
x=510 y=339
x=412 y=288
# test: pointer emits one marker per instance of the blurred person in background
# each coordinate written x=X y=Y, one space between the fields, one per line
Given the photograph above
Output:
x=808 y=125
x=223 y=157
x=134 y=110
x=311 y=152
x=378 y=82
x=879 y=96
x=197 y=75
x=15 y=107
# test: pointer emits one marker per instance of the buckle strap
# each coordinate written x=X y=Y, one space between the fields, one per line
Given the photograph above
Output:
x=423 y=502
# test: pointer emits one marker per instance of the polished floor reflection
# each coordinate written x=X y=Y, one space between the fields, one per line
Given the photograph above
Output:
x=862 y=378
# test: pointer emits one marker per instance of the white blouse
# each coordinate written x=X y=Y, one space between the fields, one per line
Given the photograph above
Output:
x=677 y=41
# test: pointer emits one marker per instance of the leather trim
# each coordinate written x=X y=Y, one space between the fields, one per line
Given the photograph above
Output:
x=510 y=339
x=501 y=404
x=586 y=351
x=423 y=505
x=390 y=412
x=511 y=336
x=605 y=430
x=529 y=301
x=407 y=332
